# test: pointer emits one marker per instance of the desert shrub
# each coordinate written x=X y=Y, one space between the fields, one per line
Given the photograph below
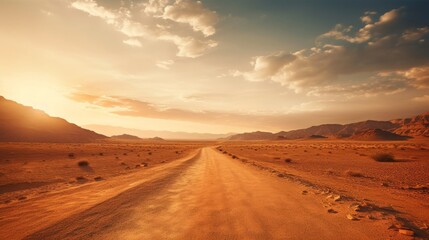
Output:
x=98 y=179
x=383 y=157
x=353 y=174
x=83 y=163
x=81 y=179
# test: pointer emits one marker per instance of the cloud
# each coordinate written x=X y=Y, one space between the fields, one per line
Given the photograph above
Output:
x=391 y=43
x=192 y=13
x=298 y=116
x=133 y=42
x=418 y=75
x=424 y=98
x=136 y=108
x=123 y=106
x=165 y=64
x=189 y=46
x=188 y=12
x=268 y=66
x=123 y=22
x=371 y=88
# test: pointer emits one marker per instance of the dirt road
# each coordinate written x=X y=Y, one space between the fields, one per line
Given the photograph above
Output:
x=210 y=196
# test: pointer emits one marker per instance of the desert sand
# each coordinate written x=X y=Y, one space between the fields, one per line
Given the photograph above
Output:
x=214 y=190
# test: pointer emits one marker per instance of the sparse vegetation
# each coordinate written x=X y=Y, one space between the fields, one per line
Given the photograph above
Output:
x=81 y=179
x=383 y=157
x=98 y=179
x=353 y=174
x=83 y=163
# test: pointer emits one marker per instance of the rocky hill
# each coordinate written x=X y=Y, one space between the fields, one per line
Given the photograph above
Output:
x=19 y=123
x=377 y=135
x=417 y=126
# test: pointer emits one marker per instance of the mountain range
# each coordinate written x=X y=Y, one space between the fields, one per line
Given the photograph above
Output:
x=397 y=129
x=19 y=123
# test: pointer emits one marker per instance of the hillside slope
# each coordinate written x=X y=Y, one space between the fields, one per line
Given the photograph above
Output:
x=19 y=123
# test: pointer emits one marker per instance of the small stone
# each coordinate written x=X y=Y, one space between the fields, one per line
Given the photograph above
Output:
x=424 y=227
x=384 y=185
x=351 y=217
x=407 y=232
x=370 y=217
x=304 y=192
x=280 y=175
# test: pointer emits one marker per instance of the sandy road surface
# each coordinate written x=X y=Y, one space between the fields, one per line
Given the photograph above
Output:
x=208 y=197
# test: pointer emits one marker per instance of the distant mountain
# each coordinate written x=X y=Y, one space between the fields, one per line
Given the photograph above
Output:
x=377 y=135
x=156 y=139
x=112 y=130
x=19 y=123
x=125 y=137
x=253 y=136
x=411 y=127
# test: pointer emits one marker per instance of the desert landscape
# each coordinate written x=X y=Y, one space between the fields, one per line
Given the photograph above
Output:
x=126 y=187
x=214 y=120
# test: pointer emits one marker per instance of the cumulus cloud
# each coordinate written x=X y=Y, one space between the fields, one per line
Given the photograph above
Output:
x=123 y=22
x=188 y=12
x=418 y=75
x=390 y=43
x=192 y=13
x=269 y=66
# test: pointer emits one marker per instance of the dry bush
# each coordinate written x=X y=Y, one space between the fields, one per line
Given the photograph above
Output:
x=383 y=157
x=353 y=173
x=83 y=163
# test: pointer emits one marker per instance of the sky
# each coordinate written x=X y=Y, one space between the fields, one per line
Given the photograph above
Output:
x=216 y=66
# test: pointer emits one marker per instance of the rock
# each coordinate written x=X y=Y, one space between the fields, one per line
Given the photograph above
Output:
x=330 y=210
x=424 y=227
x=351 y=217
x=304 y=192
x=280 y=175
x=356 y=207
x=98 y=179
x=337 y=198
x=384 y=185
x=407 y=232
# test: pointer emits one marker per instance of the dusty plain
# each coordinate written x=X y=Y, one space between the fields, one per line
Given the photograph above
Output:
x=308 y=189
